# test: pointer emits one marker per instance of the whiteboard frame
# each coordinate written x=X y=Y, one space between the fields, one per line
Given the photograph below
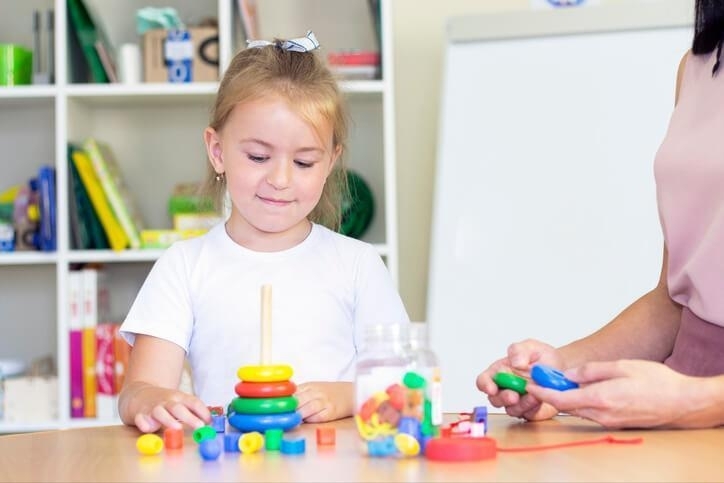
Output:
x=632 y=16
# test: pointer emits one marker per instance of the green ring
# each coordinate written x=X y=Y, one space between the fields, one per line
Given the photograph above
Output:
x=264 y=405
x=506 y=380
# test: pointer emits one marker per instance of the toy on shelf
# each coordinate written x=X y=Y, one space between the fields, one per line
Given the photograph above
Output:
x=265 y=394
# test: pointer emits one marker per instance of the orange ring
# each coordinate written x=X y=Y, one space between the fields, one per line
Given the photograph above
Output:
x=272 y=373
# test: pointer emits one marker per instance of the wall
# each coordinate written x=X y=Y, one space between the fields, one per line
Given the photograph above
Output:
x=419 y=42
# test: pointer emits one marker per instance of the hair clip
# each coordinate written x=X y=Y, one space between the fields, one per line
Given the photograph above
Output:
x=301 y=44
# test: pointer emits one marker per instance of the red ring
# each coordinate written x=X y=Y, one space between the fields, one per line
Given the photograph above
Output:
x=460 y=449
x=265 y=389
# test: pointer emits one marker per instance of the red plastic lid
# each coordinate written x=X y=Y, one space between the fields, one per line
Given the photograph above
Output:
x=460 y=449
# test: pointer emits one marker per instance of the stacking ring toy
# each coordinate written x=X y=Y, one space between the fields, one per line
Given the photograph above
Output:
x=262 y=422
x=265 y=389
x=266 y=373
x=269 y=405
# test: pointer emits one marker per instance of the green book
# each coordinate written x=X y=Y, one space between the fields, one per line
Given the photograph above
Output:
x=87 y=33
x=122 y=203
x=88 y=222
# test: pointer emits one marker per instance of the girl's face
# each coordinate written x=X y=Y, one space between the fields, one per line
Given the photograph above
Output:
x=275 y=165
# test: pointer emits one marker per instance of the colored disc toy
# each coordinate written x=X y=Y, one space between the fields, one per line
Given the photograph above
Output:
x=262 y=422
x=506 y=380
x=269 y=405
x=460 y=449
x=551 y=378
x=265 y=389
x=265 y=373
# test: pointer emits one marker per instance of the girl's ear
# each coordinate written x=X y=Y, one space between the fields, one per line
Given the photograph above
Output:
x=213 y=149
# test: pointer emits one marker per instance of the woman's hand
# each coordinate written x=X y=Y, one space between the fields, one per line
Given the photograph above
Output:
x=521 y=357
x=320 y=402
x=636 y=394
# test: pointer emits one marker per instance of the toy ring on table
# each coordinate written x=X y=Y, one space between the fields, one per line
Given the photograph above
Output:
x=270 y=373
x=265 y=389
x=263 y=422
x=460 y=449
x=264 y=405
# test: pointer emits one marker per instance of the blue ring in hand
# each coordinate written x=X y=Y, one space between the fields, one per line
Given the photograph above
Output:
x=551 y=378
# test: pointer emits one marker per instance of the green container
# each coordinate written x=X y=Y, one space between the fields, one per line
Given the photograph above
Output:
x=16 y=65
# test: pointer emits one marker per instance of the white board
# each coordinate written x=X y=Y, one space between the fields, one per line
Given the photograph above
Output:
x=545 y=222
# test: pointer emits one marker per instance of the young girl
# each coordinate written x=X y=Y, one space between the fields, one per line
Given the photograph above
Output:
x=275 y=144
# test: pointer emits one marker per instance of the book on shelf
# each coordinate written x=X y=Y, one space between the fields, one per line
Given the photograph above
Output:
x=75 y=329
x=87 y=33
x=121 y=354
x=94 y=303
x=108 y=64
x=119 y=197
x=99 y=360
x=47 y=206
x=86 y=229
x=166 y=238
x=117 y=238
x=107 y=400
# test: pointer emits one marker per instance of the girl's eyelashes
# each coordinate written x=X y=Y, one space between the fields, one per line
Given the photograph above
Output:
x=257 y=159
x=261 y=158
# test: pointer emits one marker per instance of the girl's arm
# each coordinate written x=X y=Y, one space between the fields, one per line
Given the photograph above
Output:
x=150 y=398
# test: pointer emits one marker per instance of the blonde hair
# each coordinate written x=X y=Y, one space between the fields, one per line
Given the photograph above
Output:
x=310 y=89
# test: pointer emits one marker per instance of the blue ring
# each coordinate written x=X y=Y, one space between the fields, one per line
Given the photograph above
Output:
x=262 y=422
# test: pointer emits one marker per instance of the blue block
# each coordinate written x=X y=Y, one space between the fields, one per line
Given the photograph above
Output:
x=231 y=442
x=219 y=423
x=293 y=446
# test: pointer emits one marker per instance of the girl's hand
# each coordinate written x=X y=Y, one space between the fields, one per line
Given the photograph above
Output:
x=160 y=407
x=521 y=357
x=320 y=402
x=631 y=394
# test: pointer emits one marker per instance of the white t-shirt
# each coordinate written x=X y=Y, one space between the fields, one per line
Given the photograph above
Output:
x=204 y=294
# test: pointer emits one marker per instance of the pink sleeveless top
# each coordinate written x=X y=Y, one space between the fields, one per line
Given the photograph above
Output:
x=689 y=170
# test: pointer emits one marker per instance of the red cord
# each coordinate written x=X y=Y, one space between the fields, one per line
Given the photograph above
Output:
x=606 y=439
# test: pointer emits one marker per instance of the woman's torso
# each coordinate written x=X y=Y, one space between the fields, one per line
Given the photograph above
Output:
x=689 y=172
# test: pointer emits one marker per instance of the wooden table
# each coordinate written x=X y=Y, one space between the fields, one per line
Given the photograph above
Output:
x=109 y=454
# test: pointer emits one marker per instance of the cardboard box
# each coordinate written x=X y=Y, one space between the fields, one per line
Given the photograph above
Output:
x=204 y=55
x=31 y=399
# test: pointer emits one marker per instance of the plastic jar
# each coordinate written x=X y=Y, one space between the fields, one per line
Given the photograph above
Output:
x=393 y=410
x=425 y=363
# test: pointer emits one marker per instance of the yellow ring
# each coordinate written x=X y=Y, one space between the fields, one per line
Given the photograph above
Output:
x=276 y=373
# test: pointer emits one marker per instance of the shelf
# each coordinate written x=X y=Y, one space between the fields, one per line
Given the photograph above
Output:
x=28 y=258
x=109 y=256
x=149 y=94
x=23 y=93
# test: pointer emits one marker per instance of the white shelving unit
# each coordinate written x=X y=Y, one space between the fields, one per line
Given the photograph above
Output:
x=155 y=131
